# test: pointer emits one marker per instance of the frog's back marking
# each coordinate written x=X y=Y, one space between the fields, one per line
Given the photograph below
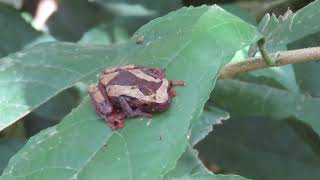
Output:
x=159 y=96
x=106 y=78
x=136 y=78
x=138 y=73
x=125 y=67
x=136 y=83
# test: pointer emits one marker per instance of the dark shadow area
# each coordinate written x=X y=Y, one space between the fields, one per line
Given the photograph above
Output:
x=262 y=148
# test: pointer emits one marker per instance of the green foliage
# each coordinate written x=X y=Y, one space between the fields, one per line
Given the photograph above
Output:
x=74 y=18
x=259 y=144
x=281 y=31
x=210 y=177
x=261 y=100
x=171 y=42
x=13 y=25
x=261 y=148
x=291 y=26
x=262 y=125
x=307 y=73
x=140 y=8
x=77 y=17
x=8 y=147
x=187 y=165
x=240 y=12
x=201 y=128
x=190 y=167
x=35 y=75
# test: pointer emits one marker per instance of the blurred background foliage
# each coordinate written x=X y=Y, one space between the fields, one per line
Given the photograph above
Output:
x=263 y=145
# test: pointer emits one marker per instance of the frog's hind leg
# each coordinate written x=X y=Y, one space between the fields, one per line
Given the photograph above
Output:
x=104 y=108
x=129 y=111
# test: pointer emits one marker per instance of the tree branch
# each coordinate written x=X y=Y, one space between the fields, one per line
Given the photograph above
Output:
x=280 y=58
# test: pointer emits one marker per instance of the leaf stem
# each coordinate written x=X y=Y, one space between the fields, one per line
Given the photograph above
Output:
x=280 y=58
x=264 y=53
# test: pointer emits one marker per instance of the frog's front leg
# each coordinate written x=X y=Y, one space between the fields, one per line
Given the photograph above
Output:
x=115 y=120
x=129 y=111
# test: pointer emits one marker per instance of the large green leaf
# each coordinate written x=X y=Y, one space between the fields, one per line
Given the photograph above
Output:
x=261 y=148
x=37 y=74
x=263 y=100
x=184 y=43
x=15 y=32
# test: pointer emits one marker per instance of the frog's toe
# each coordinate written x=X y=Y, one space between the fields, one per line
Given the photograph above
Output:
x=115 y=121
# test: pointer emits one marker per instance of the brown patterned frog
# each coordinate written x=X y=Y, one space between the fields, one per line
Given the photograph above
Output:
x=131 y=91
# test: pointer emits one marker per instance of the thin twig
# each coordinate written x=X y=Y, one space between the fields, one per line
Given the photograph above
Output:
x=280 y=58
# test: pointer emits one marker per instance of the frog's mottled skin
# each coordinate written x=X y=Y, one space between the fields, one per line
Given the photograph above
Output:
x=136 y=90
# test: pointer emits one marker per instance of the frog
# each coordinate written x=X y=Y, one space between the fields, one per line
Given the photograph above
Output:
x=131 y=91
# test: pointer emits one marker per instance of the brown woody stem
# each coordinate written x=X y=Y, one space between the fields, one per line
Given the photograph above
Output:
x=280 y=58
